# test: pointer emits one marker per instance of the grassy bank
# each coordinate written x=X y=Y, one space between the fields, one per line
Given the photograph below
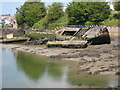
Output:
x=34 y=34
x=112 y=22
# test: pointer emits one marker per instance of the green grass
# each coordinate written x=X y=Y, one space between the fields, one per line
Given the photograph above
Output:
x=20 y=37
x=111 y=22
x=33 y=34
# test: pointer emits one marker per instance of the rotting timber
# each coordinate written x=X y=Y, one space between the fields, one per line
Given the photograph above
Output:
x=79 y=37
x=97 y=35
x=68 y=44
x=13 y=40
x=89 y=35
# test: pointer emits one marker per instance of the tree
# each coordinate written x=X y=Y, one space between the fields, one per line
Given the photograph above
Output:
x=76 y=13
x=98 y=12
x=55 y=12
x=30 y=13
x=117 y=15
x=81 y=12
x=117 y=6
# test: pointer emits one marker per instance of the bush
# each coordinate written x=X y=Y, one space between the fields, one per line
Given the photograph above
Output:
x=81 y=12
x=112 y=22
x=117 y=6
x=117 y=15
x=42 y=24
x=63 y=21
x=51 y=20
x=111 y=16
x=89 y=23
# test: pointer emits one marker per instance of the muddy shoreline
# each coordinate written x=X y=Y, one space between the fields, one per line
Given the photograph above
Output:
x=95 y=59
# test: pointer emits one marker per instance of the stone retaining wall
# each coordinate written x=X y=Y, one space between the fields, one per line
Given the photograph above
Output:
x=16 y=32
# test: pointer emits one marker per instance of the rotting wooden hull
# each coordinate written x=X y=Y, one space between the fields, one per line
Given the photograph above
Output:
x=13 y=40
x=102 y=39
x=97 y=35
x=68 y=44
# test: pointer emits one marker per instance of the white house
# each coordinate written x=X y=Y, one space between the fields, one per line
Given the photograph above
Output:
x=110 y=3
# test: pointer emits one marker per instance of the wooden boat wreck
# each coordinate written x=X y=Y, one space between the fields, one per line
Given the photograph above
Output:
x=13 y=40
x=97 y=35
x=68 y=44
x=89 y=35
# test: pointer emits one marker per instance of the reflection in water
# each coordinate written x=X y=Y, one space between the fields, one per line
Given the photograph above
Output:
x=55 y=70
x=34 y=66
x=25 y=70
x=30 y=66
x=87 y=80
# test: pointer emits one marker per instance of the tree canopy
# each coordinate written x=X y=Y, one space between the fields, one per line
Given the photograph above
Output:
x=36 y=15
x=82 y=12
x=117 y=6
x=30 y=13
x=55 y=11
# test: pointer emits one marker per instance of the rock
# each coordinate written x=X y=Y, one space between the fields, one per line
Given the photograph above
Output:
x=38 y=40
x=87 y=58
x=113 y=66
x=79 y=84
x=115 y=47
x=94 y=72
x=90 y=53
x=106 y=51
x=102 y=67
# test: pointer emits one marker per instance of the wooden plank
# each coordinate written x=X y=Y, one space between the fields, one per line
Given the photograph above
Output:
x=68 y=44
x=13 y=40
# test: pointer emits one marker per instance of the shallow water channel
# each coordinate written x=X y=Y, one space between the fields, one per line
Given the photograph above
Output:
x=26 y=70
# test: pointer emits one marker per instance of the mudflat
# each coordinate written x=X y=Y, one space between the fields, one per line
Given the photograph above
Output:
x=95 y=59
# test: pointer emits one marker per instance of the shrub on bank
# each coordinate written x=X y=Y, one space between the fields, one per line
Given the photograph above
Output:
x=63 y=21
x=89 y=23
x=112 y=22
x=44 y=23
x=117 y=15
x=54 y=13
x=34 y=34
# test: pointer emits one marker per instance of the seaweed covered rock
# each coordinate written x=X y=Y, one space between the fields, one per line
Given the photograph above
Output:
x=39 y=40
x=97 y=35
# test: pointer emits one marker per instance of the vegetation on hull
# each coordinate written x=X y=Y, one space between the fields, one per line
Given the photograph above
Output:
x=35 y=34
x=68 y=44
